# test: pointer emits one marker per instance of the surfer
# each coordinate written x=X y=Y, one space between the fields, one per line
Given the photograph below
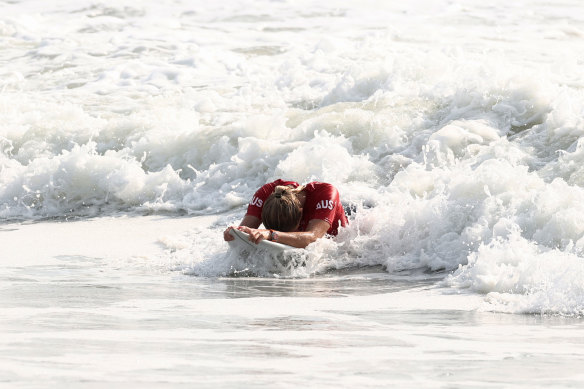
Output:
x=292 y=214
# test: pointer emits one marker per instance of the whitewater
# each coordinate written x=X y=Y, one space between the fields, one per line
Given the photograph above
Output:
x=133 y=133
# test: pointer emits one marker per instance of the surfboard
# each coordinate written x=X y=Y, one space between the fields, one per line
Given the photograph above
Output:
x=242 y=238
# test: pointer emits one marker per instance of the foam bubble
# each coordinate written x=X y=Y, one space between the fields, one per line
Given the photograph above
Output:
x=520 y=276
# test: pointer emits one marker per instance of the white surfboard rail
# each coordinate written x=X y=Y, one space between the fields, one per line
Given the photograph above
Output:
x=275 y=247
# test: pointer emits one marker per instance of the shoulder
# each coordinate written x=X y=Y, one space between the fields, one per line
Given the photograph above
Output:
x=321 y=189
x=279 y=182
x=270 y=186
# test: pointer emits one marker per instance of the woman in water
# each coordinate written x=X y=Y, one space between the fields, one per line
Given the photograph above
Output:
x=292 y=214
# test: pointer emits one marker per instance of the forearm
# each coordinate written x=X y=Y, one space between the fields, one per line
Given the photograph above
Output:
x=297 y=239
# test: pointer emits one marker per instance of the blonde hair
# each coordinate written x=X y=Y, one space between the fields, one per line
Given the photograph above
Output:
x=282 y=210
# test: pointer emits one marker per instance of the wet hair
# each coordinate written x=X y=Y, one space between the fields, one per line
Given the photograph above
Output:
x=282 y=210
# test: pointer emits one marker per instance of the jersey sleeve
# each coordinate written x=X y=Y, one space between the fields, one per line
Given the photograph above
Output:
x=324 y=206
x=255 y=206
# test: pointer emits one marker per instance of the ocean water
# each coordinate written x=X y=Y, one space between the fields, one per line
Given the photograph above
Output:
x=132 y=134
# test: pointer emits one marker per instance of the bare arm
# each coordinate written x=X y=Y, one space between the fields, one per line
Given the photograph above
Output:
x=247 y=221
x=316 y=229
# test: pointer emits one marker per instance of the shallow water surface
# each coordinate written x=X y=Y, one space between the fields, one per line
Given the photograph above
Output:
x=85 y=325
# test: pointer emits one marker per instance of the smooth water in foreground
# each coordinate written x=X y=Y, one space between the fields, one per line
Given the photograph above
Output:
x=132 y=134
x=95 y=318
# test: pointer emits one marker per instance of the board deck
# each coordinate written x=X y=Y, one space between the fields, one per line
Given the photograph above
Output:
x=242 y=237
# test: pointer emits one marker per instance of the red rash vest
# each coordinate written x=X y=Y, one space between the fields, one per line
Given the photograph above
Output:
x=322 y=202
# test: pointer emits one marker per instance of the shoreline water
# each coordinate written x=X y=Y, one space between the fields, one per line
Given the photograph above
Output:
x=66 y=325
x=73 y=319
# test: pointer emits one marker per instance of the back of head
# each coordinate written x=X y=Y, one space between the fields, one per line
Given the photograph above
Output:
x=282 y=210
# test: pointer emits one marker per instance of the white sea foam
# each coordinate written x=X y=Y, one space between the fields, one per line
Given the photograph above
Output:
x=461 y=151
